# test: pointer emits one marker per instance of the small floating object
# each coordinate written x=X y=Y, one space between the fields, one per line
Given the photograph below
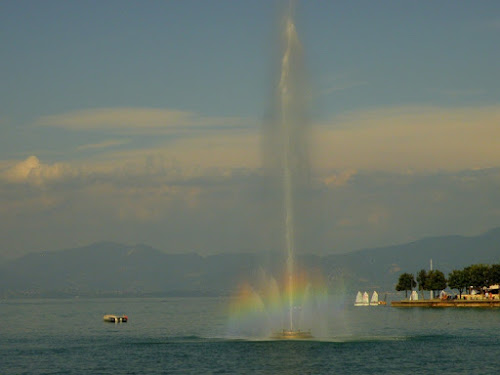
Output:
x=115 y=318
x=289 y=334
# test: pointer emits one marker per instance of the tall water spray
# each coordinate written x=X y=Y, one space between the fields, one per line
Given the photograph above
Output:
x=298 y=304
x=289 y=131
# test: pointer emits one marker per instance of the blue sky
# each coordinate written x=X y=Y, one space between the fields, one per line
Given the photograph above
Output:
x=140 y=121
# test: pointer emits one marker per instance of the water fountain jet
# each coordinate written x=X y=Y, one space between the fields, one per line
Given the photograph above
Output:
x=296 y=307
x=288 y=126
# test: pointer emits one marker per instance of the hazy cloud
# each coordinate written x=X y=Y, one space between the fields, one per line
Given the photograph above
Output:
x=417 y=138
x=136 y=187
x=142 y=120
x=104 y=144
x=338 y=178
x=379 y=177
x=156 y=201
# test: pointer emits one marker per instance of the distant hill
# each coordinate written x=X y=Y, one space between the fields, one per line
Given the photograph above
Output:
x=112 y=269
x=381 y=267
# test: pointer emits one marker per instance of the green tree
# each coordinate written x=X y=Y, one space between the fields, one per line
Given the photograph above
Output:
x=494 y=274
x=468 y=278
x=422 y=281
x=478 y=275
x=436 y=281
x=457 y=279
x=406 y=282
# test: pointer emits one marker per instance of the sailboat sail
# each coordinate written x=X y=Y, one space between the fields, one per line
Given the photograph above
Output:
x=359 y=299
x=366 y=299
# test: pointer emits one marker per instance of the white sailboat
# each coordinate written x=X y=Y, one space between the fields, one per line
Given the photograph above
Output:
x=359 y=299
x=363 y=299
x=366 y=299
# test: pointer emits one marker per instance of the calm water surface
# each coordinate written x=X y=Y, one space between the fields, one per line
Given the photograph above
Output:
x=191 y=336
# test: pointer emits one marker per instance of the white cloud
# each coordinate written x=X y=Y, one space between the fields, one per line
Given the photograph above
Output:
x=34 y=172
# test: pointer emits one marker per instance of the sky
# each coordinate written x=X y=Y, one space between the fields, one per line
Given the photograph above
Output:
x=141 y=122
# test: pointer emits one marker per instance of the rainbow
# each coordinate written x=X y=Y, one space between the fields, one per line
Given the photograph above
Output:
x=256 y=310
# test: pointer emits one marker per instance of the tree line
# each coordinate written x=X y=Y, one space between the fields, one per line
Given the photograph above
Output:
x=476 y=276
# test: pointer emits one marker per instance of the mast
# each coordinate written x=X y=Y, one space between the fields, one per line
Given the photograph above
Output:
x=432 y=292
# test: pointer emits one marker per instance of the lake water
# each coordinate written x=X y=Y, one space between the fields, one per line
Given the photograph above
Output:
x=192 y=336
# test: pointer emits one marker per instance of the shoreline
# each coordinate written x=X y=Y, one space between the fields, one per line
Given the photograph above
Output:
x=484 y=303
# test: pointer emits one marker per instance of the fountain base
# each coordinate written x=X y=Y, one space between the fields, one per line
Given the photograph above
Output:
x=287 y=334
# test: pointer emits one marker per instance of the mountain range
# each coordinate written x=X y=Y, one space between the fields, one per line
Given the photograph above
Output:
x=113 y=269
